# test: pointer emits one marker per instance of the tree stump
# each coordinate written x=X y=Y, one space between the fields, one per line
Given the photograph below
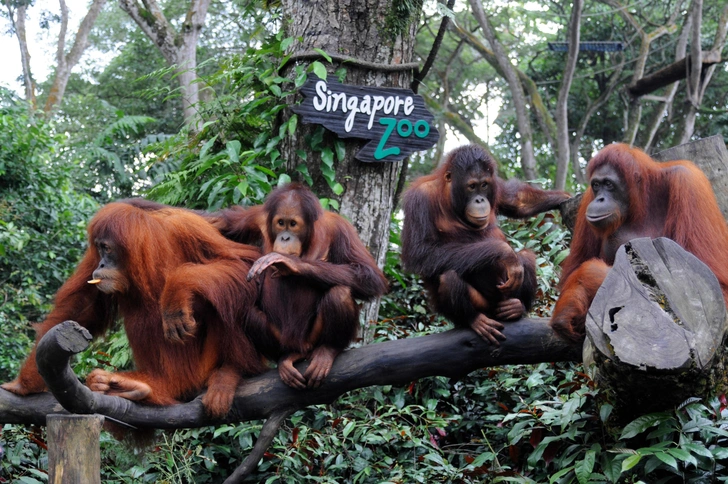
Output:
x=656 y=329
x=711 y=156
x=74 y=455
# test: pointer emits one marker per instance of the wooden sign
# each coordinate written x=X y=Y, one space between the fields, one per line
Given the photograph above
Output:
x=396 y=121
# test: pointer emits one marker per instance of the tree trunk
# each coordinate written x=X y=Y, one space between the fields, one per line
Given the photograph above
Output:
x=656 y=340
x=368 y=30
x=66 y=62
x=711 y=156
x=528 y=159
x=666 y=105
x=634 y=114
x=562 y=111
x=179 y=49
x=700 y=74
x=17 y=19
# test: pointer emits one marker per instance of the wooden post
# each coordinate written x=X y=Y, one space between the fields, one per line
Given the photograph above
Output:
x=74 y=454
x=711 y=156
x=656 y=329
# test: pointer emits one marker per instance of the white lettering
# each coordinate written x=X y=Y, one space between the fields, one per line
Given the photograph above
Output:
x=366 y=105
x=409 y=105
x=351 y=105
x=388 y=105
x=341 y=96
x=399 y=102
x=378 y=104
x=319 y=103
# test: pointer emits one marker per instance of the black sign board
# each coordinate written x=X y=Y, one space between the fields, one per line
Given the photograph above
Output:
x=395 y=120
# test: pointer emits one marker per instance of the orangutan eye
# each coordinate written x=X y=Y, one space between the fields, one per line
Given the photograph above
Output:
x=484 y=185
x=471 y=186
x=293 y=223
x=280 y=222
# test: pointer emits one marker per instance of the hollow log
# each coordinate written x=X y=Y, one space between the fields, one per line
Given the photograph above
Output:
x=656 y=329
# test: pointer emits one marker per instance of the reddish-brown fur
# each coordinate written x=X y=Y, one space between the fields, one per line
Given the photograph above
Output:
x=172 y=258
x=672 y=199
x=470 y=271
x=307 y=299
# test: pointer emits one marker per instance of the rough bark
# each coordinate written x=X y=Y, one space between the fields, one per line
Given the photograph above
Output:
x=65 y=62
x=361 y=29
x=528 y=158
x=657 y=341
x=562 y=112
x=74 y=454
x=179 y=49
x=711 y=156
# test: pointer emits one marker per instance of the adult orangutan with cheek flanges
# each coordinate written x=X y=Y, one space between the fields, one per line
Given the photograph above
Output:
x=314 y=268
x=630 y=195
x=181 y=290
x=451 y=238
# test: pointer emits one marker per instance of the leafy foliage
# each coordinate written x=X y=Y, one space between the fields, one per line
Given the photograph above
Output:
x=234 y=158
x=42 y=220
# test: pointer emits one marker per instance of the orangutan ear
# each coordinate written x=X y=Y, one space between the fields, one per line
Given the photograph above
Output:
x=448 y=176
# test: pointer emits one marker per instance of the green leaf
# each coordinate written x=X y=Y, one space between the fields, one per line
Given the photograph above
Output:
x=233 y=150
x=275 y=89
x=583 y=468
x=641 y=424
x=286 y=43
x=284 y=179
x=340 y=148
x=319 y=69
x=206 y=147
x=292 y=123
x=349 y=427
x=324 y=55
x=605 y=411
x=630 y=462
x=337 y=188
x=560 y=474
x=720 y=452
x=684 y=456
x=327 y=157
x=667 y=459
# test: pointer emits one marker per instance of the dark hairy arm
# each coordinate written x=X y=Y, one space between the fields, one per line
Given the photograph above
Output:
x=517 y=199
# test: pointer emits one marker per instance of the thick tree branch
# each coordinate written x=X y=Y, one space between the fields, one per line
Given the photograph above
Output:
x=154 y=24
x=453 y=354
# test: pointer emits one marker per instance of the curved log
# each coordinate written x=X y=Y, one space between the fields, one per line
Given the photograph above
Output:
x=453 y=354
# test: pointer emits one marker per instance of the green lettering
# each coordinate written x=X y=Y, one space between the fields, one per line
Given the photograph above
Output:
x=404 y=128
x=380 y=152
x=422 y=129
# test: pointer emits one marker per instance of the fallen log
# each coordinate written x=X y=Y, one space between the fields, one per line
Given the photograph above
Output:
x=656 y=329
